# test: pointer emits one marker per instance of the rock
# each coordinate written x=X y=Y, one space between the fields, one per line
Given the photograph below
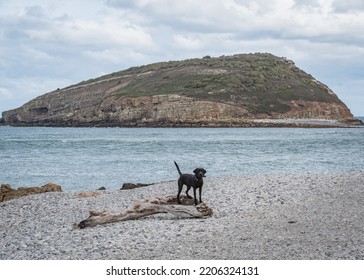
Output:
x=102 y=189
x=88 y=194
x=7 y=193
x=5 y=188
x=129 y=186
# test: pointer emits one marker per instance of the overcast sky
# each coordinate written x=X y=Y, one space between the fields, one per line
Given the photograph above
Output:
x=45 y=45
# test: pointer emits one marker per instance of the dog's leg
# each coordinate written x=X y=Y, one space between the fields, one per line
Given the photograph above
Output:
x=180 y=186
x=188 y=188
x=200 y=193
x=194 y=195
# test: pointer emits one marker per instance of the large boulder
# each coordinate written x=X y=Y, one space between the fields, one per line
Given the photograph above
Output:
x=7 y=193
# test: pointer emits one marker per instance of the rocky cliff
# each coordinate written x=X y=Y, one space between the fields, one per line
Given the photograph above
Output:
x=224 y=91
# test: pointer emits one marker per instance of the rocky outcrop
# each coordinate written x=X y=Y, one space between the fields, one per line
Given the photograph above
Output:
x=317 y=110
x=162 y=110
x=7 y=193
x=130 y=186
x=228 y=91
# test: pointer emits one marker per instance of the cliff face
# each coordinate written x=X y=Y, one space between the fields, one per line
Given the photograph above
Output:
x=211 y=91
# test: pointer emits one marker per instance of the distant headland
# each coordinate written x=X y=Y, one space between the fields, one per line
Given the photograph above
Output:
x=241 y=90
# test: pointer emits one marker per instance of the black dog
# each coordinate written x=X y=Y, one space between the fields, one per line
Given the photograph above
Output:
x=190 y=180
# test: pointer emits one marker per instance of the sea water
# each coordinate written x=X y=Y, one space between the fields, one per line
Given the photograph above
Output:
x=90 y=158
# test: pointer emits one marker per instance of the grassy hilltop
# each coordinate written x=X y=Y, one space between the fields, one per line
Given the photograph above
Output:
x=261 y=82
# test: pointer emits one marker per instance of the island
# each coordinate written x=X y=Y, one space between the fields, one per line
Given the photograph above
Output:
x=242 y=90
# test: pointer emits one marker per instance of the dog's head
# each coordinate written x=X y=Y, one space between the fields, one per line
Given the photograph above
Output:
x=200 y=173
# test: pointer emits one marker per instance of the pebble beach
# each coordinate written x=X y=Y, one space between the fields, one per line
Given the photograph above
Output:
x=266 y=216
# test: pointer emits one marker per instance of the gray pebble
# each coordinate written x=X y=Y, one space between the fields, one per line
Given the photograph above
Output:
x=277 y=216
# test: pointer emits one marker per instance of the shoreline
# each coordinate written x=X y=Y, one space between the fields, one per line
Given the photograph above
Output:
x=261 y=216
x=243 y=123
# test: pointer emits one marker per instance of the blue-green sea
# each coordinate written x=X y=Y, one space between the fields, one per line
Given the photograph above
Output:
x=90 y=158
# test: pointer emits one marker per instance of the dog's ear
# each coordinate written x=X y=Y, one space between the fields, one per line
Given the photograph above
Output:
x=203 y=172
x=196 y=171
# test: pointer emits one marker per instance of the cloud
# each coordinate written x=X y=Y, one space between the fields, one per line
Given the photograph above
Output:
x=348 y=6
x=70 y=41
x=288 y=19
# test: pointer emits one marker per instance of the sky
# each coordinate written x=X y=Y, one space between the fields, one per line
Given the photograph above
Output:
x=45 y=45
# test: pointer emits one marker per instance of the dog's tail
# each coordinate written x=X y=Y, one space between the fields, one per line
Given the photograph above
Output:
x=179 y=171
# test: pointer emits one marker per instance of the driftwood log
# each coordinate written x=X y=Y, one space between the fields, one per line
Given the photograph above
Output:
x=147 y=207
